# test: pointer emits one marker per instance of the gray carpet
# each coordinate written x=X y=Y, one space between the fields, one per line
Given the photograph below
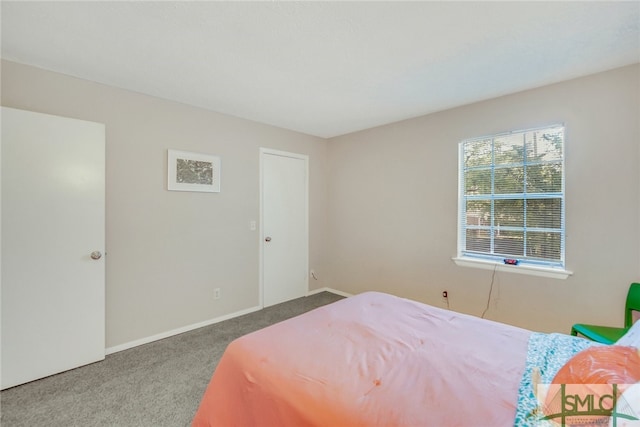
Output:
x=157 y=384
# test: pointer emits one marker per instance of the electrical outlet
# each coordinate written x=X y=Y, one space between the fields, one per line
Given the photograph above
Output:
x=216 y=293
x=445 y=298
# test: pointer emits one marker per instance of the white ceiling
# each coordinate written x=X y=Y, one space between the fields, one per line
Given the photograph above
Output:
x=323 y=68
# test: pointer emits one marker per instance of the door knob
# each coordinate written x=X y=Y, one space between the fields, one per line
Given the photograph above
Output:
x=96 y=255
x=267 y=239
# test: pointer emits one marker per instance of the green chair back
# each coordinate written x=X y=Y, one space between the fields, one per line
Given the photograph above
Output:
x=608 y=334
x=632 y=304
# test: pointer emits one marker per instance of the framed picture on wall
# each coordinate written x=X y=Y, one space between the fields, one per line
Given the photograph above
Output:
x=189 y=171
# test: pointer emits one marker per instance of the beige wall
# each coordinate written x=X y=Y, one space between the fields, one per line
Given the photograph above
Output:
x=385 y=200
x=167 y=251
x=393 y=202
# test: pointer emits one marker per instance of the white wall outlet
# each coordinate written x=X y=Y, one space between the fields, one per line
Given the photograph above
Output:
x=216 y=293
x=252 y=225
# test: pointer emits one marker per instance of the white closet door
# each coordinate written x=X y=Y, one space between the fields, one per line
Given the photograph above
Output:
x=53 y=218
x=285 y=229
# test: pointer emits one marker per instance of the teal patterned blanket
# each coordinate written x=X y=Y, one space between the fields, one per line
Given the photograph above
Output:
x=547 y=353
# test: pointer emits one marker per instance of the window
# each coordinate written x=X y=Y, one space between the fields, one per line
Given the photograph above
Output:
x=511 y=198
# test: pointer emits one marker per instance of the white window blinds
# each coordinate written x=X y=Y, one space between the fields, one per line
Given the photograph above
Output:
x=511 y=197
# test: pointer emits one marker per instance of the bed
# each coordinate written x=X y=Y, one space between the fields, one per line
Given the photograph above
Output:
x=375 y=359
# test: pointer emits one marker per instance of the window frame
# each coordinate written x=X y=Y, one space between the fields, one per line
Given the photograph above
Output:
x=531 y=266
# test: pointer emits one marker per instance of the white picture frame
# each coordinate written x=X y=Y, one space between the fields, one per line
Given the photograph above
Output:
x=188 y=171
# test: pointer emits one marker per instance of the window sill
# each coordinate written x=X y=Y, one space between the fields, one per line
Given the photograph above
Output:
x=554 y=273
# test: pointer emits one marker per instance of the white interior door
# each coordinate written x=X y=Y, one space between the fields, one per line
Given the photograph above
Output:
x=53 y=218
x=285 y=230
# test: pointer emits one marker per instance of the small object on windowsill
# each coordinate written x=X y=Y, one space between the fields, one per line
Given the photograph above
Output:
x=510 y=261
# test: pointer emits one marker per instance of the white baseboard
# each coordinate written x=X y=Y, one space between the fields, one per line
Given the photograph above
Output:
x=333 y=291
x=147 y=340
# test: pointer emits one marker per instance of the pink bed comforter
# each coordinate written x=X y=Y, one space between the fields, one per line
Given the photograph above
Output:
x=370 y=360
